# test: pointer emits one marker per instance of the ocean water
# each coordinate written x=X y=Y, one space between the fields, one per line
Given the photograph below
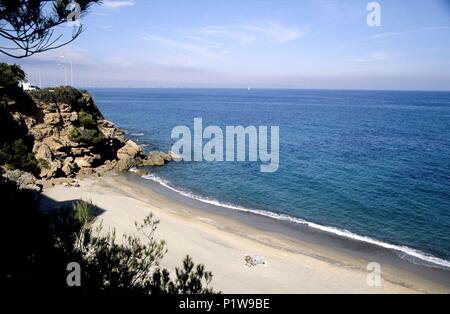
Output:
x=371 y=165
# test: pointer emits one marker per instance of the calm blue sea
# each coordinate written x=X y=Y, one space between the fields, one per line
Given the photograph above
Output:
x=370 y=164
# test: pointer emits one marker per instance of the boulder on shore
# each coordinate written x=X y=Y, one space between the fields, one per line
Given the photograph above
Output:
x=130 y=149
x=156 y=158
x=126 y=163
x=68 y=167
x=174 y=156
x=24 y=180
x=128 y=156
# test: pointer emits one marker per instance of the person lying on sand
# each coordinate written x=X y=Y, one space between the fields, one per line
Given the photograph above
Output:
x=74 y=184
x=248 y=261
x=254 y=261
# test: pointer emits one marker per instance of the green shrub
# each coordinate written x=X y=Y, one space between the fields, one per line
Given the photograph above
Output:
x=131 y=266
x=86 y=136
x=17 y=155
x=86 y=120
x=66 y=95
x=84 y=212
x=10 y=75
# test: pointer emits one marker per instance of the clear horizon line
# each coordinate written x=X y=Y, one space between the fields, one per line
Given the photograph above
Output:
x=271 y=88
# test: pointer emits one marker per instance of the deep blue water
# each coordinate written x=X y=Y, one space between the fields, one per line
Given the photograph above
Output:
x=372 y=162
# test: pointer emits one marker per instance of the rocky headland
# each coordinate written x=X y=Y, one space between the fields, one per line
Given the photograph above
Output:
x=65 y=136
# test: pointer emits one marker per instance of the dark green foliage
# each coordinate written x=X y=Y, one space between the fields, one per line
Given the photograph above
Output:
x=35 y=258
x=83 y=212
x=15 y=145
x=90 y=137
x=10 y=92
x=67 y=95
x=29 y=259
x=17 y=155
x=86 y=120
x=87 y=133
x=125 y=267
x=9 y=128
x=10 y=75
x=189 y=279
x=28 y=26
x=131 y=266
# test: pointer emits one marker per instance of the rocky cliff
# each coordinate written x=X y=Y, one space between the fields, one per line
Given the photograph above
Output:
x=68 y=136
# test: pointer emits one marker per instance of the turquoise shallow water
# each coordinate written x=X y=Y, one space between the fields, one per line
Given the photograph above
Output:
x=374 y=163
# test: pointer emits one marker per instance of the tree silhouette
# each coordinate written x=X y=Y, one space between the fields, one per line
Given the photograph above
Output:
x=28 y=26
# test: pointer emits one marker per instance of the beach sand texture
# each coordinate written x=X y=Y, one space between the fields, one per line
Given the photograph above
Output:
x=221 y=243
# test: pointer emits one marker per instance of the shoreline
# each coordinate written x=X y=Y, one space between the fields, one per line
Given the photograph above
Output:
x=412 y=255
x=300 y=259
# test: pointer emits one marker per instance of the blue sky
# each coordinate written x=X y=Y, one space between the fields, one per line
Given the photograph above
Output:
x=265 y=44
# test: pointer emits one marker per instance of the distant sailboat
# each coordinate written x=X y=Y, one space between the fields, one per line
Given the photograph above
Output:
x=249 y=88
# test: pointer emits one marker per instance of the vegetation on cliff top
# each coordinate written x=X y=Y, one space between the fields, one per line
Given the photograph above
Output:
x=46 y=130
x=10 y=75
x=15 y=145
x=67 y=95
x=87 y=131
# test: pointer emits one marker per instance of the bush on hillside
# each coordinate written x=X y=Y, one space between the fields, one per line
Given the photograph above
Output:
x=86 y=120
x=10 y=75
x=87 y=131
x=89 y=137
x=67 y=95
x=17 y=155
x=9 y=128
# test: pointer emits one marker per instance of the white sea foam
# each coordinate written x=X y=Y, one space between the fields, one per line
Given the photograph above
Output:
x=137 y=134
x=410 y=254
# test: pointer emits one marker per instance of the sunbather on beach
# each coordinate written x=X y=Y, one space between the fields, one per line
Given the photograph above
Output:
x=251 y=261
x=248 y=261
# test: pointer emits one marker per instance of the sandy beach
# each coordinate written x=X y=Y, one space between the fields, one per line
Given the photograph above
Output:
x=221 y=242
